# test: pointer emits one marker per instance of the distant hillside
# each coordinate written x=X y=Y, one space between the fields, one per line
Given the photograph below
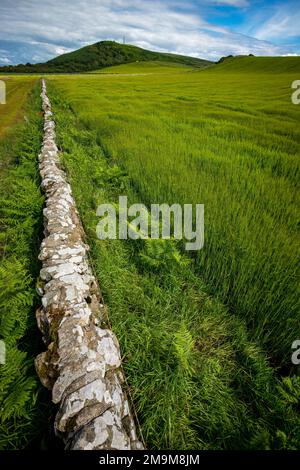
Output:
x=102 y=54
x=259 y=64
x=149 y=67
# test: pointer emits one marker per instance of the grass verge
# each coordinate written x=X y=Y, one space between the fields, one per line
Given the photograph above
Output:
x=196 y=379
x=24 y=404
x=184 y=138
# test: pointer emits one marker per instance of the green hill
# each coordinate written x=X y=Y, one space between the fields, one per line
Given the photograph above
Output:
x=104 y=54
x=145 y=68
x=259 y=64
x=100 y=55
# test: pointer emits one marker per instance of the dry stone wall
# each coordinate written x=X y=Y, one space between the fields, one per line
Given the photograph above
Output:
x=82 y=364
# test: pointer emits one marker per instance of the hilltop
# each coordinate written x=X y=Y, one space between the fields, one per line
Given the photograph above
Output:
x=103 y=54
x=259 y=64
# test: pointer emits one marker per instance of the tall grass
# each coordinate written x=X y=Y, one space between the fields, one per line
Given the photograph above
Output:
x=17 y=90
x=230 y=140
x=195 y=377
x=147 y=67
x=24 y=410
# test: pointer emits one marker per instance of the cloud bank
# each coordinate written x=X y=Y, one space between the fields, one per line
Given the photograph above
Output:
x=34 y=31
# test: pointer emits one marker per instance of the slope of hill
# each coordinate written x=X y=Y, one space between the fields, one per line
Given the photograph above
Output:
x=259 y=64
x=103 y=54
x=142 y=68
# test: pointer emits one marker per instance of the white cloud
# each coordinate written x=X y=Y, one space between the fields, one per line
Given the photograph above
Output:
x=282 y=24
x=4 y=60
x=51 y=28
x=233 y=3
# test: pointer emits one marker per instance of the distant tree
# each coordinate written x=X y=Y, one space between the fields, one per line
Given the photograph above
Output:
x=224 y=58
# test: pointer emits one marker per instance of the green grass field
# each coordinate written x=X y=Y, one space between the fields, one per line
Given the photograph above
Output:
x=147 y=67
x=216 y=137
x=228 y=140
x=274 y=65
x=206 y=338
x=24 y=403
x=17 y=90
x=195 y=377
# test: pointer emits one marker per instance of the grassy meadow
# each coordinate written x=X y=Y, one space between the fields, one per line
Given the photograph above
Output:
x=205 y=339
x=24 y=404
x=146 y=68
x=17 y=90
x=227 y=139
x=206 y=336
x=195 y=377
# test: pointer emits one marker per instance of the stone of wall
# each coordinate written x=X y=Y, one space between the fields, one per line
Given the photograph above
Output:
x=82 y=364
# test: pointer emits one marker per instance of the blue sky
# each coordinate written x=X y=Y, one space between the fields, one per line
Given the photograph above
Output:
x=35 y=31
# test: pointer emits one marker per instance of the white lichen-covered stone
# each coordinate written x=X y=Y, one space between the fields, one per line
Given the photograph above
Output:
x=82 y=365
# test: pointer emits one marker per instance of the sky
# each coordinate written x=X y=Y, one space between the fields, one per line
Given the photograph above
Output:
x=36 y=31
